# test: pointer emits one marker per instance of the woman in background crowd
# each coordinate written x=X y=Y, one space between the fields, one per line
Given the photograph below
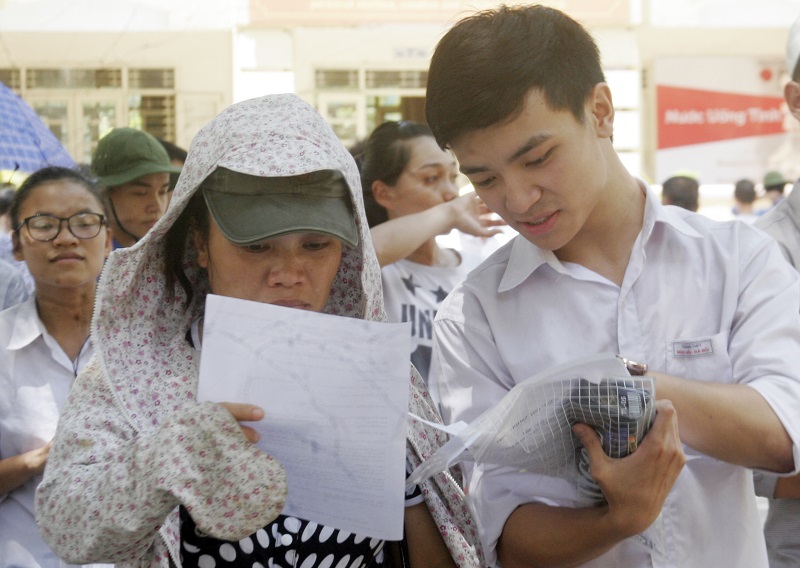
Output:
x=59 y=230
x=411 y=196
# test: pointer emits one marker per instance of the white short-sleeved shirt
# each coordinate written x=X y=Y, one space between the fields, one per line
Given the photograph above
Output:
x=35 y=379
x=723 y=289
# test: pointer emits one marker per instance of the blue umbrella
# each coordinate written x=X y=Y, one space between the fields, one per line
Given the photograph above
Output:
x=26 y=143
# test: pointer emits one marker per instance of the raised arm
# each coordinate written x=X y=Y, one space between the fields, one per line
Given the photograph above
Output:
x=397 y=238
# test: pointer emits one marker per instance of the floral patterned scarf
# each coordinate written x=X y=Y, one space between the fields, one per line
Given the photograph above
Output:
x=139 y=331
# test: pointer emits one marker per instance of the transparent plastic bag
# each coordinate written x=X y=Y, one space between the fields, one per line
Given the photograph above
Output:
x=531 y=427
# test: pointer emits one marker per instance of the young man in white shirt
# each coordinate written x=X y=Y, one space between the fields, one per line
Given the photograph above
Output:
x=600 y=266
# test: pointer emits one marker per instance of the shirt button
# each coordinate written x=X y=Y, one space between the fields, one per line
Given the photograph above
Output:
x=286 y=539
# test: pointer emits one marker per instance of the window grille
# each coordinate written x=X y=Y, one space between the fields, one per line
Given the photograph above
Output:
x=11 y=78
x=396 y=79
x=73 y=78
x=151 y=78
x=337 y=79
x=154 y=114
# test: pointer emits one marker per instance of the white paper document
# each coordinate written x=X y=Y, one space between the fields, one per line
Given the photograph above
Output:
x=335 y=394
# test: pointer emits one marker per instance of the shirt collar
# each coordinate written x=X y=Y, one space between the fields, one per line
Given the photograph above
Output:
x=526 y=258
x=27 y=325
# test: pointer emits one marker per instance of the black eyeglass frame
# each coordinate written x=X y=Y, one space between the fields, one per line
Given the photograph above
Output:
x=61 y=221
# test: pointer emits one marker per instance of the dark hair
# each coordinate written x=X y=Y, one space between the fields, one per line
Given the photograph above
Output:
x=174 y=151
x=484 y=66
x=357 y=151
x=47 y=175
x=744 y=191
x=194 y=218
x=6 y=197
x=384 y=157
x=682 y=191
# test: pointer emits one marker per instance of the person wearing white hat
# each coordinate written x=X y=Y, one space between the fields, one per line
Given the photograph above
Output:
x=782 y=222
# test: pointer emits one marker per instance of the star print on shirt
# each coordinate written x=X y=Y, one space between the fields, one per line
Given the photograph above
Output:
x=409 y=284
x=440 y=294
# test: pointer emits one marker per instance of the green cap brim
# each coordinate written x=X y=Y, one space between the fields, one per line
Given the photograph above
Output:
x=143 y=169
x=249 y=209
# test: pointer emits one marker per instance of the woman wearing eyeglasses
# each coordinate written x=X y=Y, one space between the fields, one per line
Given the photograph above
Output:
x=60 y=231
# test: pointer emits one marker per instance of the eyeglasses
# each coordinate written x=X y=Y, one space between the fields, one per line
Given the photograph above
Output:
x=45 y=228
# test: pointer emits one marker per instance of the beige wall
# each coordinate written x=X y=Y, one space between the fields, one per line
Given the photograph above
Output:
x=208 y=66
x=203 y=63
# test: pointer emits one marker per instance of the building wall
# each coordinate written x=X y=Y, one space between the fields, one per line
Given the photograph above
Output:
x=226 y=50
x=202 y=60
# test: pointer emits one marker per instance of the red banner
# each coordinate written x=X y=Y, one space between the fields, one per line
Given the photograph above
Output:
x=694 y=116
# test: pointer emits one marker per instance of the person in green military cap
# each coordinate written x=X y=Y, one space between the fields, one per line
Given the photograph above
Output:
x=774 y=185
x=134 y=170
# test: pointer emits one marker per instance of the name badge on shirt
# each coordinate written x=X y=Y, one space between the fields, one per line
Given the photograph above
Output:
x=686 y=349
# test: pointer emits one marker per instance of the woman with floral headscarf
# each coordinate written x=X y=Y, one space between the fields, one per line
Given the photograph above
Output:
x=142 y=474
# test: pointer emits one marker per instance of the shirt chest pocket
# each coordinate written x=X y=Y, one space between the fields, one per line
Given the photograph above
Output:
x=700 y=358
